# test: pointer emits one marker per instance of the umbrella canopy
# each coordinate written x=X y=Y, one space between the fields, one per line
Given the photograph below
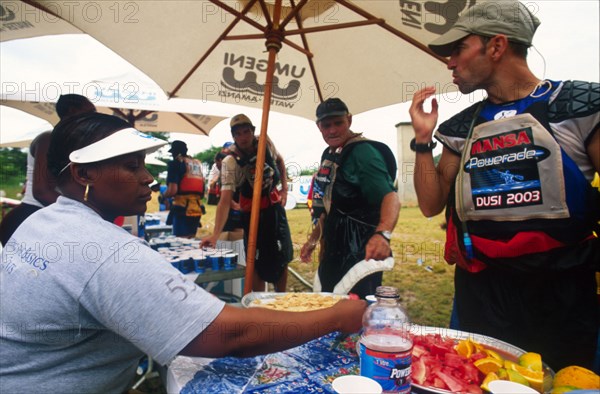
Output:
x=19 y=138
x=142 y=119
x=370 y=53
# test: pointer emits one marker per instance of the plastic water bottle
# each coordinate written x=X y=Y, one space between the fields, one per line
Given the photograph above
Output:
x=385 y=347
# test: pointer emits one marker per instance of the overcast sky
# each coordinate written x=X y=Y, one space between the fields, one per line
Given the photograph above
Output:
x=566 y=47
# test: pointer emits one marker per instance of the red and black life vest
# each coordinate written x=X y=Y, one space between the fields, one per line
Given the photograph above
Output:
x=192 y=181
x=271 y=177
x=331 y=188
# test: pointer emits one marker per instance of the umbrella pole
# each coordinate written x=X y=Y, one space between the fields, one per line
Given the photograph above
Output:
x=273 y=45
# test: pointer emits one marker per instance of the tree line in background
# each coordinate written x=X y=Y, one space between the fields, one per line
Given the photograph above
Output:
x=13 y=164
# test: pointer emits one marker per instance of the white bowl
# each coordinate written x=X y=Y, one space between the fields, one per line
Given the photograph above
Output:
x=508 y=387
x=355 y=384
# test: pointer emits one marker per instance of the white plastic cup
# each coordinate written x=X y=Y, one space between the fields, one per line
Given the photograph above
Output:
x=356 y=384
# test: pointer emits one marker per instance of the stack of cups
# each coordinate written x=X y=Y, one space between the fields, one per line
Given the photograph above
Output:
x=199 y=262
x=214 y=262
x=229 y=261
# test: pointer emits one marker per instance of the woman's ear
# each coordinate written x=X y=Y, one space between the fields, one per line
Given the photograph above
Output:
x=80 y=174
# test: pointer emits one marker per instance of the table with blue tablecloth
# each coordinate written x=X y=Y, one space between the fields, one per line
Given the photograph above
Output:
x=309 y=368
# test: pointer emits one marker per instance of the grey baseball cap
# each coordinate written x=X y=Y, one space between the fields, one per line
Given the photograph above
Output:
x=490 y=18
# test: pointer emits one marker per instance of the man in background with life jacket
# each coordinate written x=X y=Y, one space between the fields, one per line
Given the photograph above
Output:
x=185 y=183
x=514 y=177
x=355 y=205
x=214 y=178
x=274 y=248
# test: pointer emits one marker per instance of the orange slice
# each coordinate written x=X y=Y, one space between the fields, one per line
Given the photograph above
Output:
x=531 y=361
x=488 y=365
x=465 y=348
x=534 y=378
x=492 y=353
x=478 y=347
x=516 y=377
x=488 y=378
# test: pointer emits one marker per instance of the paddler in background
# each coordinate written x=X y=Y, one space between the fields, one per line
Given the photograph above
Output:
x=185 y=183
x=355 y=206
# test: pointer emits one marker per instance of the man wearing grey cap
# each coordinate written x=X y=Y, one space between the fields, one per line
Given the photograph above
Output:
x=515 y=176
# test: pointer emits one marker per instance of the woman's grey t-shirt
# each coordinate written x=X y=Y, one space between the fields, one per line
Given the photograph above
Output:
x=81 y=300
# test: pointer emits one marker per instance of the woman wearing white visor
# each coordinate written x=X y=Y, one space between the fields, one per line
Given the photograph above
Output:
x=81 y=300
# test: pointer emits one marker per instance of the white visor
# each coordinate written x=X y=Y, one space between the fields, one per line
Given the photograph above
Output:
x=120 y=143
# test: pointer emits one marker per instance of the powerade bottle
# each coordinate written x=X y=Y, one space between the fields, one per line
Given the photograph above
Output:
x=385 y=347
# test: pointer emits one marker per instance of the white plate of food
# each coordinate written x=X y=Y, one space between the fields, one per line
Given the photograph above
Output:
x=296 y=302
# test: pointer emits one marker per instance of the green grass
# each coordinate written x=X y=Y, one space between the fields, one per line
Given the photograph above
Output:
x=426 y=294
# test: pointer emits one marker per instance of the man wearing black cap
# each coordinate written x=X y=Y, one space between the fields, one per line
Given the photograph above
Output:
x=274 y=243
x=515 y=177
x=185 y=183
x=355 y=205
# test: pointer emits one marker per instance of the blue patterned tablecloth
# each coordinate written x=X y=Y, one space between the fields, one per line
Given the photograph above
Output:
x=309 y=368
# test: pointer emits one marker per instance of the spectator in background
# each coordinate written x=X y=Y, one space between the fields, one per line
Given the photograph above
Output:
x=234 y=220
x=214 y=178
x=40 y=183
x=355 y=206
x=165 y=203
x=185 y=183
x=273 y=244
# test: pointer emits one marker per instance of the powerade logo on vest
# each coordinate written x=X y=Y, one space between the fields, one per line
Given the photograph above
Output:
x=523 y=200
x=513 y=171
x=504 y=171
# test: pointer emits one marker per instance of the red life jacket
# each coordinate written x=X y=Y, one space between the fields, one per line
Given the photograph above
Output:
x=193 y=180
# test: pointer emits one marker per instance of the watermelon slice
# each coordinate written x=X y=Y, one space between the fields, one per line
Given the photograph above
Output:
x=437 y=364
